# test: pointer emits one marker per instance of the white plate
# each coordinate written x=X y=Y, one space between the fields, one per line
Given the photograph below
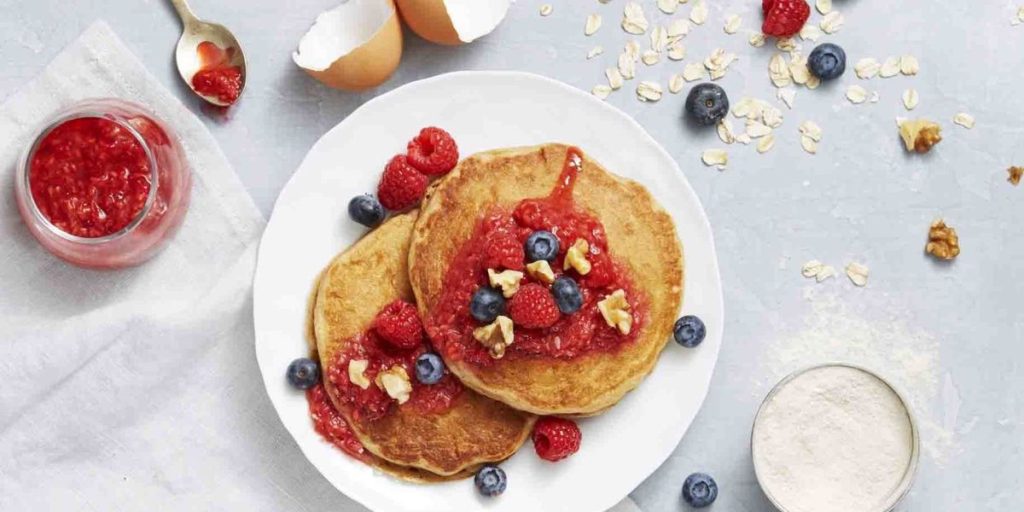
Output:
x=485 y=110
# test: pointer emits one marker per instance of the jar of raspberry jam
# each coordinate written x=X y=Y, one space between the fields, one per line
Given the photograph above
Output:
x=104 y=185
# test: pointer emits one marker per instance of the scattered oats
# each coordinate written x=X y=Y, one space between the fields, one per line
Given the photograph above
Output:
x=788 y=96
x=778 y=71
x=824 y=6
x=832 y=22
x=659 y=38
x=676 y=83
x=813 y=82
x=1015 y=174
x=964 y=119
x=857 y=273
x=798 y=70
x=614 y=78
x=757 y=129
x=699 y=13
x=786 y=44
x=632 y=49
x=627 y=67
x=715 y=158
x=668 y=6
x=679 y=28
x=593 y=25
x=766 y=143
x=633 y=19
x=594 y=52
x=909 y=65
x=810 y=33
x=650 y=57
x=809 y=144
x=546 y=10
x=867 y=68
x=910 y=99
x=732 y=24
x=1020 y=17
x=756 y=40
x=817 y=270
x=676 y=51
x=811 y=130
x=744 y=107
x=648 y=91
x=890 y=68
x=718 y=62
x=771 y=116
x=725 y=132
x=601 y=91
x=693 y=71
x=743 y=138
x=856 y=94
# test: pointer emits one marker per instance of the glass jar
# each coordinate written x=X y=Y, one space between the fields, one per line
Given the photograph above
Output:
x=104 y=184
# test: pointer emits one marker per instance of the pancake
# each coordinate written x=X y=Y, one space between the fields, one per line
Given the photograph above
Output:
x=641 y=238
x=452 y=443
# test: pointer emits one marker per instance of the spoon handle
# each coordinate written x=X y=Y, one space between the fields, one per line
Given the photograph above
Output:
x=184 y=12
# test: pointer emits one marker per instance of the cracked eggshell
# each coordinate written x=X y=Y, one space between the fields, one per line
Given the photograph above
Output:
x=354 y=46
x=453 y=22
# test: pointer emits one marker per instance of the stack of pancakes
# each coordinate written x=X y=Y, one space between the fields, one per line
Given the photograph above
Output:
x=407 y=258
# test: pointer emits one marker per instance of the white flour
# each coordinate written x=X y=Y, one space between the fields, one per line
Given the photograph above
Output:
x=886 y=339
x=834 y=439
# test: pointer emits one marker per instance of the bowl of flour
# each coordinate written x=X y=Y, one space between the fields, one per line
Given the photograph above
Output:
x=835 y=438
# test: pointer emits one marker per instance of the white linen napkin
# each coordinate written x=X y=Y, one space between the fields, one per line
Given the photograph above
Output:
x=138 y=389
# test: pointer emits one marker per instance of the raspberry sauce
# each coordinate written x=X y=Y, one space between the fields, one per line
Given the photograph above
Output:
x=331 y=425
x=217 y=78
x=450 y=325
x=373 y=403
x=90 y=177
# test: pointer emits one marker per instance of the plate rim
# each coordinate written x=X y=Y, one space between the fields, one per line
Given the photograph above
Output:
x=716 y=329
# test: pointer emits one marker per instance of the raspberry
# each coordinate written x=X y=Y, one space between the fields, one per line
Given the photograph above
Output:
x=503 y=251
x=556 y=438
x=433 y=152
x=399 y=325
x=533 y=307
x=402 y=185
x=784 y=18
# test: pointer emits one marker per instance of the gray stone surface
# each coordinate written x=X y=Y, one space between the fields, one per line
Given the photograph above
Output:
x=950 y=336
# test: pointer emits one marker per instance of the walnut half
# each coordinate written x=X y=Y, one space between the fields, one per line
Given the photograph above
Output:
x=942 y=241
x=920 y=135
x=1015 y=175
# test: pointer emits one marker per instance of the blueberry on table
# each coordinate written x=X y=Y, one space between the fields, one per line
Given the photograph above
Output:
x=541 y=245
x=700 y=490
x=303 y=373
x=567 y=295
x=366 y=210
x=827 y=61
x=707 y=104
x=429 y=368
x=486 y=304
x=689 y=331
x=490 y=480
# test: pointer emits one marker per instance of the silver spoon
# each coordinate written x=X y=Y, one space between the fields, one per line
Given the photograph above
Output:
x=196 y=31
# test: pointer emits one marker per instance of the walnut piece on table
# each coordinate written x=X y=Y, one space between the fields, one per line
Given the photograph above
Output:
x=1015 y=175
x=919 y=135
x=943 y=243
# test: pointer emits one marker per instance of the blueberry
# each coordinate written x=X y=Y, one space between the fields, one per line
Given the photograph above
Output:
x=303 y=373
x=486 y=304
x=707 y=104
x=366 y=210
x=700 y=490
x=541 y=245
x=490 y=480
x=689 y=331
x=567 y=295
x=429 y=368
x=827 y=61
